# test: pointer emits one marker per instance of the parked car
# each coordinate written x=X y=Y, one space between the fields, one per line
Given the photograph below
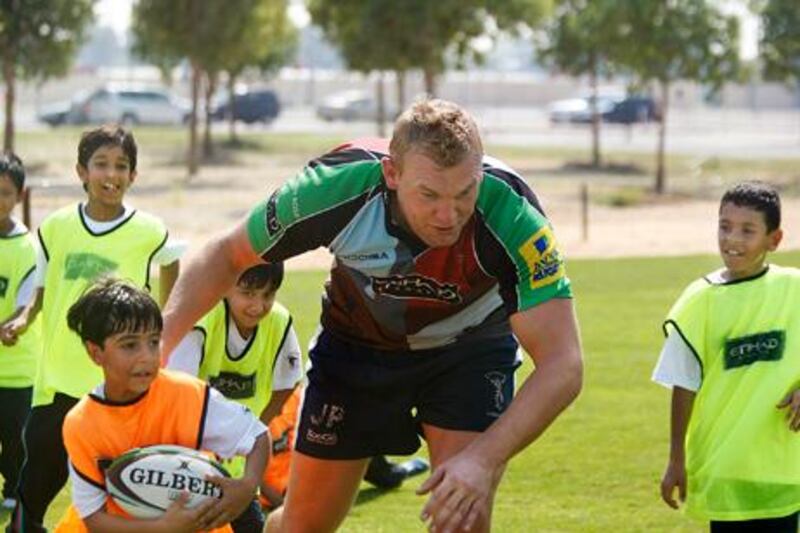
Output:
x=633 y=109
x=123 y=104
x=618 y=109
x=352 y=105
x=249 y=107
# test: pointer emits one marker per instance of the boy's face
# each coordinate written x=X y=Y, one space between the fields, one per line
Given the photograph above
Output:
x=107 y=175
x=130 y=362
x=435 y=203
x=9 y=196
x=248 y=305
x=744 y=240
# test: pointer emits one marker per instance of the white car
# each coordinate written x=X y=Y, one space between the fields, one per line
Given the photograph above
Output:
x=579 y=109
x=127 y=105
x=352 y=105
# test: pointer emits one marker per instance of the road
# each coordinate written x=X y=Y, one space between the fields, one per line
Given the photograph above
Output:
x=773 y=134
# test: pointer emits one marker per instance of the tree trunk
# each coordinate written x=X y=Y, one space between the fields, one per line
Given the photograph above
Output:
x=401 y=90
x=232 y=109
x=211 y=87
x=661 y=171
x=595 y=115
x=380 y=99
x=192 y=155
x=9 y=77
x=429 y=73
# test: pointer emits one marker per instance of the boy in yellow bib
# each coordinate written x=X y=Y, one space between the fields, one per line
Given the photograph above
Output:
x=732 y=359
x=140 y=405
x=18 y=362
x=78 y=244
x=247 y=348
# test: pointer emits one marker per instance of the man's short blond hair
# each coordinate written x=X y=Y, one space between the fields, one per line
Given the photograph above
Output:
x=440 y=130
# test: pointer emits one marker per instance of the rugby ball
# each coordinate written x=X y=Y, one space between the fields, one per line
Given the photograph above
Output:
x=145 y=481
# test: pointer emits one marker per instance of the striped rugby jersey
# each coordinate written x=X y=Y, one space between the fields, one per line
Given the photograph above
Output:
x=387 y=289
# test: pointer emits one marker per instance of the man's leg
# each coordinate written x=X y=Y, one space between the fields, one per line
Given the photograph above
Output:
x=444 y=444
x=321 y=492
x=16 y=406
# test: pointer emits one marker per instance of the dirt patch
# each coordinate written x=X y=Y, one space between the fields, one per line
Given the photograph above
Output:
x=223 y=194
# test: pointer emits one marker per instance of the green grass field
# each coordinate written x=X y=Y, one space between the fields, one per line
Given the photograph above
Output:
x=598 y=467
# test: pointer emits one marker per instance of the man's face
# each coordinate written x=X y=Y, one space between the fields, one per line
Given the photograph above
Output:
x=434 y=202
x=744 y=240
x=9 y=196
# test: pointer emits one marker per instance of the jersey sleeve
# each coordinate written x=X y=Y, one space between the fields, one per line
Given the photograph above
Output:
x=86 y=497
x=288 y=363
x=677 y=365
x=517 y=244
x=230 y=428
x=309 y=210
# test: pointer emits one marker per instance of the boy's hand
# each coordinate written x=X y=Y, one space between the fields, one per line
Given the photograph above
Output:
x=179 y=518
x=791 y=402
x=236 y=496
x=10 y=332
x=674 y=477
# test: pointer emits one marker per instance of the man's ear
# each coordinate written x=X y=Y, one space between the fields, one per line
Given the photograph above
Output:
x=775 y=239
x=95 y=352
x=390 y=172
x=83 y=172
x=133 y=177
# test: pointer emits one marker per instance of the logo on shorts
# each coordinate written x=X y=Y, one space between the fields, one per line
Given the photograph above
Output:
x=406 y=287
x=324 y=422
x=3 y=286
x=497 y=380
x=542 y=257
x=745 y=351
x=273 y=224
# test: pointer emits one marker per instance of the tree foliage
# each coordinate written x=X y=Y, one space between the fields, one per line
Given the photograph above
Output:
x=580 y=40
x=664 y=42
x=38 y=40
x=780 y=40
x=416 y=34
x=213 y=36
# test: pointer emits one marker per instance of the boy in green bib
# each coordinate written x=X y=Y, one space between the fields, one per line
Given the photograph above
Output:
x=78 y=244
x=17 y=362
x=732 y=359
x=246 y=347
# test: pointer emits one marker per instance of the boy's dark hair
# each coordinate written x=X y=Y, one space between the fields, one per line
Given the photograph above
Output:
x=108 y=134
x=259 y=276
x=759 y=196
x=113 y=306
x=11 y=166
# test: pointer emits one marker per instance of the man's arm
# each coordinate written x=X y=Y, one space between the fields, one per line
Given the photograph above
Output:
x=675 y=474
x=276 y=402
x=549 y=333
x=211 y=272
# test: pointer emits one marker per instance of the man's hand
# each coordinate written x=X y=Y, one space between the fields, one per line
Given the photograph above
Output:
x=461 y=490
x=674 y=477
x=791 y=402
x=11 y=331
x=236 y=496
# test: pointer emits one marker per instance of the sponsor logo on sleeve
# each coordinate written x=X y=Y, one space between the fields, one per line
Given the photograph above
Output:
x=273 y=224
x=3 y=286
x=743 y=351
x=543 y=258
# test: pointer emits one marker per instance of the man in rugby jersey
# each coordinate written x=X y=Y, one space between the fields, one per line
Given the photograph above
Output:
x=444 y=265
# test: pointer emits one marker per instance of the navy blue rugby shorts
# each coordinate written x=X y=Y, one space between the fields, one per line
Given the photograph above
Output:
x=362 y=402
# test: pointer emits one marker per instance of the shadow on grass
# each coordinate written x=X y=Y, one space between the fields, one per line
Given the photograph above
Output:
x=372 y=493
